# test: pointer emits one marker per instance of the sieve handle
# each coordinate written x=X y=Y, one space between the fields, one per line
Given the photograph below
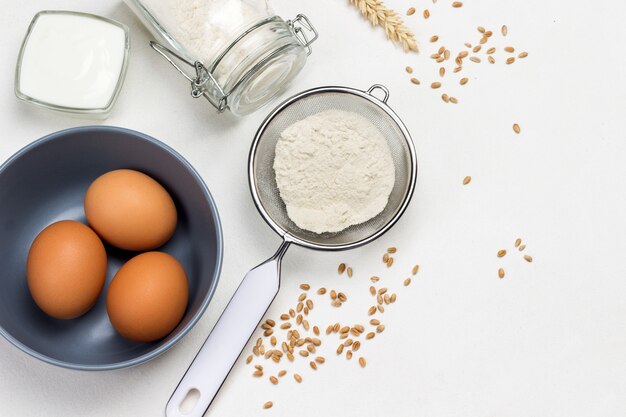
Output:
x=206 y=374
x=379 y=87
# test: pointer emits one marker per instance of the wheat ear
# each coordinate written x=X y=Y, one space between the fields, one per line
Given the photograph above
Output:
x=380 y=15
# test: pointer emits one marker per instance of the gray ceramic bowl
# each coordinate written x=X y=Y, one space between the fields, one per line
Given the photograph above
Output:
x=46 y=182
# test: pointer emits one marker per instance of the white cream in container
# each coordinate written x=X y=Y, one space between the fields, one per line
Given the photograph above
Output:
x=72 y=62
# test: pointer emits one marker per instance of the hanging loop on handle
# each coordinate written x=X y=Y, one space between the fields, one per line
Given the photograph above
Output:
x=198 y=81
x=301 y=25
x=206 y=374
x=379 y=87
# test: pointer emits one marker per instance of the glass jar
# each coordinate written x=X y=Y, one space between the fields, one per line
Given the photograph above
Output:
x=241 y=53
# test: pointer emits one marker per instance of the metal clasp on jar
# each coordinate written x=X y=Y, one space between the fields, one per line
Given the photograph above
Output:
x=299 y=25
x=203 y=79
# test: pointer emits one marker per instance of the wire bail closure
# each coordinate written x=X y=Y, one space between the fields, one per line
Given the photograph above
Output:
x=299 y=24
x=202 y=76
x=203 y=80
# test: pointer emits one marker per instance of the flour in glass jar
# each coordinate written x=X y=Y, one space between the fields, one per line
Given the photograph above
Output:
x=333 y=170
x=204 y=28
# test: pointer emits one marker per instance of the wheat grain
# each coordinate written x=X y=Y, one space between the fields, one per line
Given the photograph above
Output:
x=378 y=14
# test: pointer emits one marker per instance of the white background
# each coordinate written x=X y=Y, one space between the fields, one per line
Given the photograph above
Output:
x=548 y=340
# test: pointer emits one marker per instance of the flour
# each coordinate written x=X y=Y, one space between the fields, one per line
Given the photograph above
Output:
x=333 y=170
x=204 y=28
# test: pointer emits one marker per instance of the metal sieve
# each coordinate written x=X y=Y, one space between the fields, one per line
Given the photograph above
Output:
x=207 y=372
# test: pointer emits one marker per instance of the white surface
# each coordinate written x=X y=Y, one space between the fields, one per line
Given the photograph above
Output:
x=228 y=337
x=548 y=340
x=73 y=61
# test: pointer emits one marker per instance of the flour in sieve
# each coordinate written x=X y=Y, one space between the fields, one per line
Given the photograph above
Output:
x=333 y=170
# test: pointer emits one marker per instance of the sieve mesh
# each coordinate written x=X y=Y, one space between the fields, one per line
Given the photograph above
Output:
x=263 y=181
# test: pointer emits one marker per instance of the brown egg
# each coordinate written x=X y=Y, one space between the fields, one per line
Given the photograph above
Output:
x=66 y=269
x=130 y=210
x=148 y=297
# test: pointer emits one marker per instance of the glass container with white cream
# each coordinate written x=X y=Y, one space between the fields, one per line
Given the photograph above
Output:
x=72 y=62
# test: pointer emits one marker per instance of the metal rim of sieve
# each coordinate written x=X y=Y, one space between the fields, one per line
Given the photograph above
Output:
x=382 y=105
